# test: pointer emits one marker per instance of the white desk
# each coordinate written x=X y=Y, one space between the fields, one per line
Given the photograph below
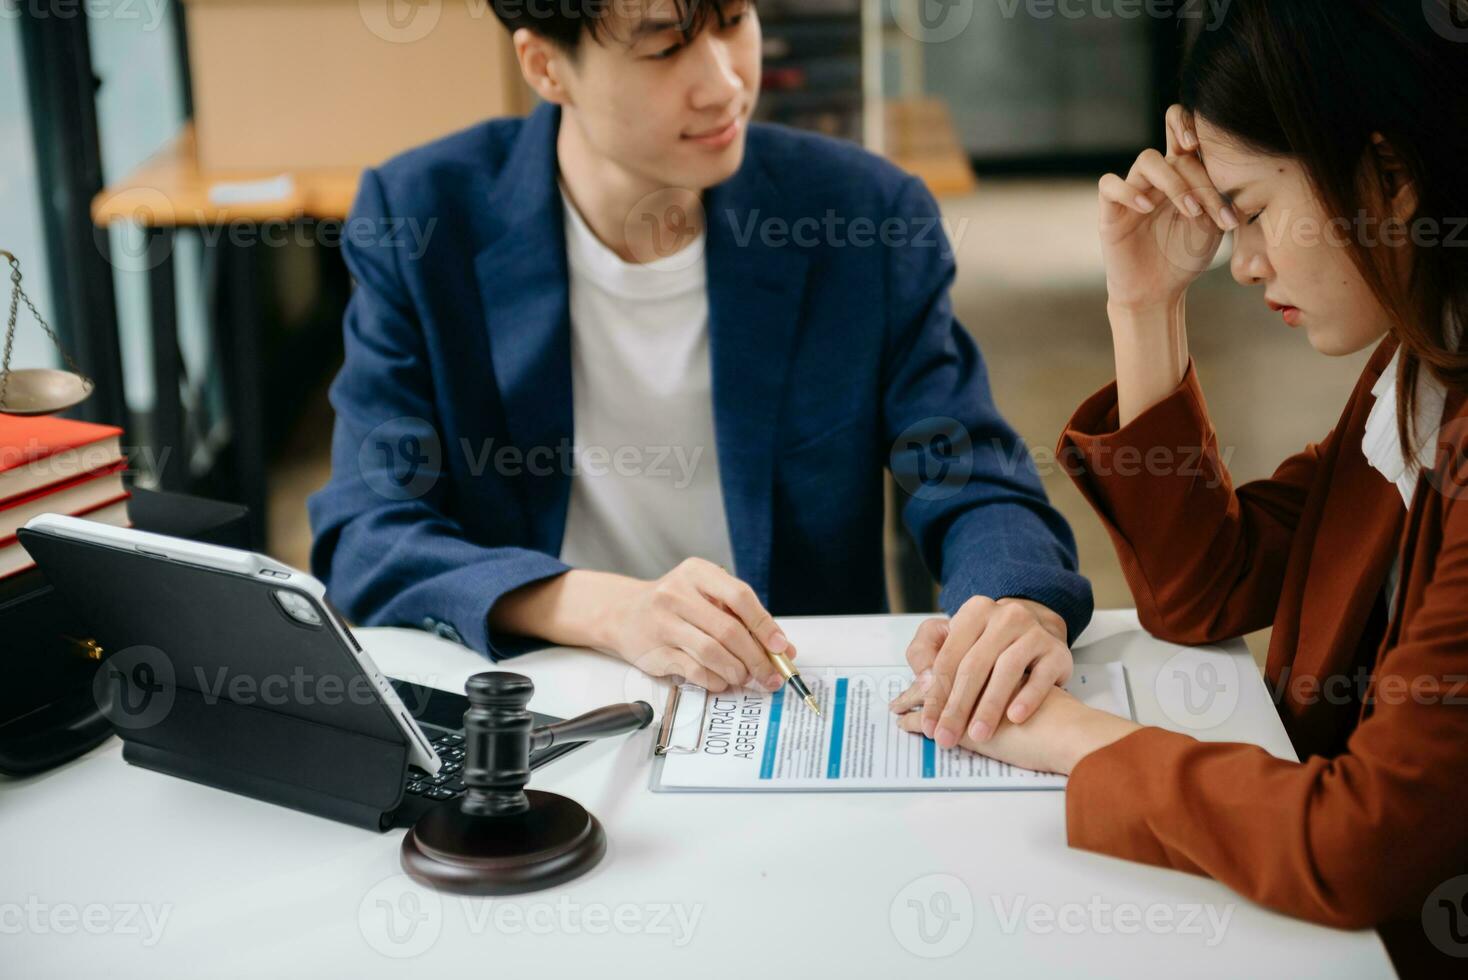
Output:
x=707 y=885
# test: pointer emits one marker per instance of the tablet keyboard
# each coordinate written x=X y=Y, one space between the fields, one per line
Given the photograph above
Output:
x=449 y=782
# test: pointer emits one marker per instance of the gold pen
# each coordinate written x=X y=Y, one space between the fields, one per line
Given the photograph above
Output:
x=791 y=675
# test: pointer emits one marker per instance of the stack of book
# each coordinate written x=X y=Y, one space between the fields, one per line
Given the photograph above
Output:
x=52 y=465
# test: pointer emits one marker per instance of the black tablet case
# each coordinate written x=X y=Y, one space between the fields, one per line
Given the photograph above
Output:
x=342 y=758
x=48 y=715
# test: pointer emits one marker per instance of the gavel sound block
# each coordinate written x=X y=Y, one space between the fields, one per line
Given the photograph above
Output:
x=503 y=839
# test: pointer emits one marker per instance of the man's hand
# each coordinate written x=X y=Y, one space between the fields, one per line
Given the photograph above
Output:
x=697 y=622
x=968 y=669
x=1060 y=733
x=701 y=623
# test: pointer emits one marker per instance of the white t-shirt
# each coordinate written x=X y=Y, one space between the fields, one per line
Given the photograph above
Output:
x=645 y=493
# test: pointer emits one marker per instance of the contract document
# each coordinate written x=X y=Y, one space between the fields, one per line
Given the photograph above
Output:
x=753 y=741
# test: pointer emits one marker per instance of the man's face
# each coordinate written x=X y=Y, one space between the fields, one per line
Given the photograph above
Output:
x=668 y=109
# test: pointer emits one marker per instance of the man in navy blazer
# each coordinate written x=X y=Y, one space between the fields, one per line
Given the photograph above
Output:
x=819 y=322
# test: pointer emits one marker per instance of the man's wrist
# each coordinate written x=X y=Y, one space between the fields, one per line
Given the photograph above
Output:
x=576 y=608
x=607 y=599
x=1052 y=621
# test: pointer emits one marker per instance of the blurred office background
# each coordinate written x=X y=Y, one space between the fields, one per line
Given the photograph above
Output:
x=204 y=340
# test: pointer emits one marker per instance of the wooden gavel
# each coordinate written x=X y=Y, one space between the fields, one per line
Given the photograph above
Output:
x=503 y=839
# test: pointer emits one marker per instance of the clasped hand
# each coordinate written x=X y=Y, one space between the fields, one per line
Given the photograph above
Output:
x=991 y=656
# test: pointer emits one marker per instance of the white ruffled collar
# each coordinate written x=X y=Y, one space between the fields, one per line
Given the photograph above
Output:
x=1381 y=445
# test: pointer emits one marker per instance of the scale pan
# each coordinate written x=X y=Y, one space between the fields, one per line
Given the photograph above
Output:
x=43 y=391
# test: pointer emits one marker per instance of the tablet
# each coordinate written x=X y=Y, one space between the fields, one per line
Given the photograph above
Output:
x=258 y=619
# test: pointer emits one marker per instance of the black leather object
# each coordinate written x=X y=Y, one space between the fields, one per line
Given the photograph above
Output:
x=48 y=714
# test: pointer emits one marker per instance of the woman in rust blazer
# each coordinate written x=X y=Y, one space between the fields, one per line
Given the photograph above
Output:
x=1296 y=113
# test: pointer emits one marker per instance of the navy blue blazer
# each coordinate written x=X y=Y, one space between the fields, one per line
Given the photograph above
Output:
x=834 y=352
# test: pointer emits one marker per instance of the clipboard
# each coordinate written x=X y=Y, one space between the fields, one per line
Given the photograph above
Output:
x=682 y=733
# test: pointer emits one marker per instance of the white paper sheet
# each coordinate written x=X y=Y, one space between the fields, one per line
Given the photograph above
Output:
x=757 y=741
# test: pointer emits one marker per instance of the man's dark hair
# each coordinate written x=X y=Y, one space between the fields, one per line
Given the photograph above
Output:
x=565 y=21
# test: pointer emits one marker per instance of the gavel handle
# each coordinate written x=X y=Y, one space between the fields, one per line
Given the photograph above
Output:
x=615 y=719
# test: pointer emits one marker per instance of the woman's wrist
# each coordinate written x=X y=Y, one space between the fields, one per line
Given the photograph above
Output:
x=1093 y=731
x=1150 y=324
x=1151 y=347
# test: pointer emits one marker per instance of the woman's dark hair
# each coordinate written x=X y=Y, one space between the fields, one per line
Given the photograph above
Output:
x=1317 y=80
x=565 y=21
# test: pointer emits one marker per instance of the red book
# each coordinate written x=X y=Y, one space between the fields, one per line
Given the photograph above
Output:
x=15 y=559
x=43 y=451
x=75 y=496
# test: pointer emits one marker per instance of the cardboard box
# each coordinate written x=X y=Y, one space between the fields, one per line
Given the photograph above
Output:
x=325 y=84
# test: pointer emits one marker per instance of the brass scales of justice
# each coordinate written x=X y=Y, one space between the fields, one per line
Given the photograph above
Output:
x=36 y=391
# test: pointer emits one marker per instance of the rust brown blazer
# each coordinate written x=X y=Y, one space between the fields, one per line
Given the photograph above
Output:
x=1375 y=817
